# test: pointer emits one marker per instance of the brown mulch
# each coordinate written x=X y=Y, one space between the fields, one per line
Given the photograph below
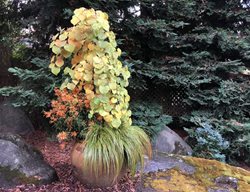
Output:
x=59 y=158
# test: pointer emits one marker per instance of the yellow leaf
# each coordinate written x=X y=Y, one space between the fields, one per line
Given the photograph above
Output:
x=75 y=82
x=103 y=113
x=129 y=113
x=119 y=51
x=51 y=44
x=91 y=46
x=90 y=94
x=116 y=123
x=69 y=48
x=71 y=86
x=101 y=70
x=97 y=59
x=56 y=50
x=118 y=107
x=91 y=21
x=80 y=68
x=106 y=25
x=87 y=77
x=89 y=58
x=86 y=66
x=90 y=12
x=63 y=36
x=78 y=75
x=103 y=76
x=74 y=20
x=66 y=70
x=108 y=118
x=104 y=89
x=79 y=11
x=51 y=65
x=55 y=70
x=112 y=85
x=113 y=100
x=82 y=17
x=127 y=98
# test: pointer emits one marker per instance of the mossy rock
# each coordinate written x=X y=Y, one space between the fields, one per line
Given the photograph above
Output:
x=21 y=163
x=10 y=178
x=190 y=174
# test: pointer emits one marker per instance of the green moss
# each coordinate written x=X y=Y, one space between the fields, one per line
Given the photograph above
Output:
x=17 y=176
x=175 y=181
x=206 y=171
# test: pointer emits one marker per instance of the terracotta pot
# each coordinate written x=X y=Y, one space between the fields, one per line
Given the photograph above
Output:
x=77 y=160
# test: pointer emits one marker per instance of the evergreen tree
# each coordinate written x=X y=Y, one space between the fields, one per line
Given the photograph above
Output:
x=202 y=47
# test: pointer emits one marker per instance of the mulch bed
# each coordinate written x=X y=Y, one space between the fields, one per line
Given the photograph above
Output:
x=59 y=158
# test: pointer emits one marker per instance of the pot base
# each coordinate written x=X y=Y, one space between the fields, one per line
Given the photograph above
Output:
x=85 y=177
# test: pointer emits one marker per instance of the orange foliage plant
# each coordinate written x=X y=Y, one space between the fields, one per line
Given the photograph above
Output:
x=66 y=109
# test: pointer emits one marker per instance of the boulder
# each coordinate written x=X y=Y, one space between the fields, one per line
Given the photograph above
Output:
x=20 y=163
x=14 y=120
x=169 y=142
x=167 y=173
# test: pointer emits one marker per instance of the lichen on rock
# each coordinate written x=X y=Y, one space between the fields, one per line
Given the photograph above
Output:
x=209 y=176
x=209 y=170
x=20 y=178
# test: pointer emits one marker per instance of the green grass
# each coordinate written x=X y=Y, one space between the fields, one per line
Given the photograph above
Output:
x=109 y=150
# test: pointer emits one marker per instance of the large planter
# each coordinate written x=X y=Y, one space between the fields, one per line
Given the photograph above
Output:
x=85 y=176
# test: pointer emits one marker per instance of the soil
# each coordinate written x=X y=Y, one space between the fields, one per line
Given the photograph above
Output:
x=58 y=156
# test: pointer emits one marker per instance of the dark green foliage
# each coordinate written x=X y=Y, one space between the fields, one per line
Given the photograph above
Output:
x=239 y=136
x=201 y=46
x=36 y=87
x=8 y=21
x=236 y=133
x=149 y=117
x=208 y=142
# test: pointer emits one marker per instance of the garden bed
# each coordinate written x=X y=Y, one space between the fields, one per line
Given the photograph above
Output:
x=59 y=158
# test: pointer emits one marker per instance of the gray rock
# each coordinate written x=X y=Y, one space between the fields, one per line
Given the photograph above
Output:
x=14 y=120
x=227 y=182
x=219 y=190
x=169 y=142
x=20 y=163
x=162 y=161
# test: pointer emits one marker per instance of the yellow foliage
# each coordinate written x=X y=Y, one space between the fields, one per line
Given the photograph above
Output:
x=95 y=65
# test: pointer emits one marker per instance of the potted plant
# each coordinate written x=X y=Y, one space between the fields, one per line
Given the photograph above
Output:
x=94 y=91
